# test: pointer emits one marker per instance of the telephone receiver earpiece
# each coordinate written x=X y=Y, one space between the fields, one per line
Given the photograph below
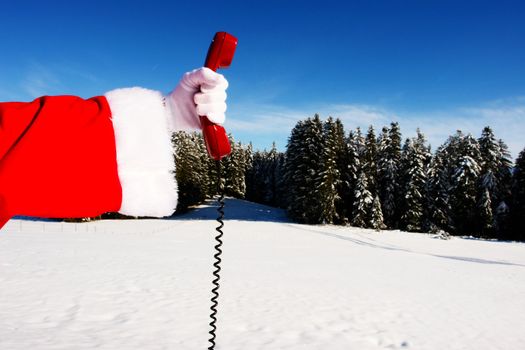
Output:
x=220 y=55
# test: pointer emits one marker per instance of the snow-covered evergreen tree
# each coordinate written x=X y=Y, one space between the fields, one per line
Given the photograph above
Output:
x=359 y=144
x=383 y=143
x=465 y=186
x=204 y=164
x=485 y=213
x=350 y=173
x=280 y=195
x=255 y=188
x=504 y=173
x=518 y=199
x=389 y=155
x=343 y=162
x=264 y=177
x=313 y=158
x=303 y=165
x=363 y=200
x=438 y=193
x=491 y=158
x=503 y=195
x=370 y=160
x=292 y=167
x=248 y=158
x=270 y=166
x=416 y=157
x=502 y=220
x=328 y=179
x=191 y=169
x=376 y=219
x=233 y=170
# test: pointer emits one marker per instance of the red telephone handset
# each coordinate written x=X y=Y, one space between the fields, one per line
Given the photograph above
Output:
x=220 y=55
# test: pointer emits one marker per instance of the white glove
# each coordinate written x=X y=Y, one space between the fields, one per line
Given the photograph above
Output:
x=200 y=92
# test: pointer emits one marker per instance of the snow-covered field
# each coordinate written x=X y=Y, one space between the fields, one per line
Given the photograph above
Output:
x=145 y=285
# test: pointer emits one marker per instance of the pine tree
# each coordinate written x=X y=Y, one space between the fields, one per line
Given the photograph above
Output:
x=370 y=160
x=249 y=176
x=395 y=156
x=502 y=220
x=204 y=163
x=389 y=155
x=355 y=146
x=518 y=199
x=254 y=178
x=502 y=195
x=234 y=168
x=292 y=167
x=383 y=143
x=465 y=186
x=362 y=203
x=504 y=174
x=328 y=178
x=440 y=187
x=376 y=220
x=302 y=169
x=280 y=197
x=248 y=158
x=491 y=158
x=343 y=186
x=485 y=213
x=314 y=161
x=426 y=156
x=416 y=156
x=270 y=175
x=360 y=145
x=438 y=197
x=264 y=179
x=191 y=171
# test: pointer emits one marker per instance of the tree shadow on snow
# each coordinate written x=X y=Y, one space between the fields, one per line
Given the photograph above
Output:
x=391 y=247
x=235 y=209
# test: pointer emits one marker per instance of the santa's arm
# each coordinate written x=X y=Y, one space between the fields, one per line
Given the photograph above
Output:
x=63 y=156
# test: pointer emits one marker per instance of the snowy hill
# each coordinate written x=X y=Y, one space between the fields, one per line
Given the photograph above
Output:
x=145 y=285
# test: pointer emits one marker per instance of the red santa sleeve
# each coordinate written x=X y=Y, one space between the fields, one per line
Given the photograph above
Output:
x=63 y=156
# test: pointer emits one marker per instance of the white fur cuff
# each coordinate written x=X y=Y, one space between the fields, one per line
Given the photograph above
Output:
x=146 y=167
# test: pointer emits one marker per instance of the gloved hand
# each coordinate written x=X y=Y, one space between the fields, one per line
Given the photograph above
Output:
x=201 y=92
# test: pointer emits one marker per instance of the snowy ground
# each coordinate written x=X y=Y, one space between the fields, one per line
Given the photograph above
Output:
x=145 y=285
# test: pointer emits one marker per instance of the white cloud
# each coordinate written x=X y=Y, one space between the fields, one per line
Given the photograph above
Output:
x=359 y=115
x=7 y=94
x=505 y=117
x=50 y=79
x=39 y=81
x=273 y=118
x=263 y=118
x=274 y=122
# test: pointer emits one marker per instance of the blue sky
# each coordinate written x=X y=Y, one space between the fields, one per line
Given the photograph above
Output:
x=437 y=65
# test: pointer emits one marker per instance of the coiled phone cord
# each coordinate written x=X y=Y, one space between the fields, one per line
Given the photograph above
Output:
x=217 y=256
